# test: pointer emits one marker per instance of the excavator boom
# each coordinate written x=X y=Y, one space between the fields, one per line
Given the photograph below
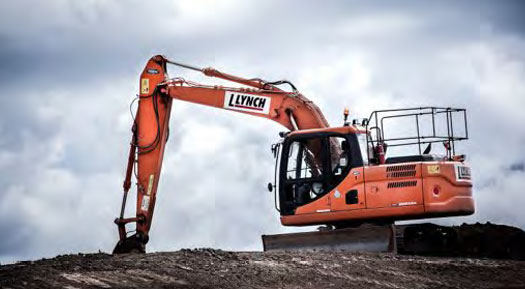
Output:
x=150 y=128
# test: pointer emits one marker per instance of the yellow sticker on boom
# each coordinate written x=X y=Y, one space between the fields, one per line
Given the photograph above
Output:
x=150 y=184
x=433 y=169
x=144 y=86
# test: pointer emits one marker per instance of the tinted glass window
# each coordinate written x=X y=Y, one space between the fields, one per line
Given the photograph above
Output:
x=364 y=147
x=339 y=155
x=304 y=159
x=313 y=167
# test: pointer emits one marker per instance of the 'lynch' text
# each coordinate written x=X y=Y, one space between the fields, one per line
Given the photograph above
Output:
x=247 y=102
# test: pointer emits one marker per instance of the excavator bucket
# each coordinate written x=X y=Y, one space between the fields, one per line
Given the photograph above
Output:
x=366 y=238
x=131 y=244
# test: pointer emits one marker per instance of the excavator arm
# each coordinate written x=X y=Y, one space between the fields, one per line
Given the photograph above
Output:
x=150 y=128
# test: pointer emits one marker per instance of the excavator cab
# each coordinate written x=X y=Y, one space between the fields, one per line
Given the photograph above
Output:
x=312 y=164
x=346 y=175
x=358 y=179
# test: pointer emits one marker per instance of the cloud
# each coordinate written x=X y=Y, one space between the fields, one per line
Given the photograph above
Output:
x=517 y=167
x=70 y=70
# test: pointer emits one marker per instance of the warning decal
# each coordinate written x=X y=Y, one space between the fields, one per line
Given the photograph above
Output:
x=145 y=203
x=247 y=102
x=433 y=169
x=150 y=184
x=144 y=86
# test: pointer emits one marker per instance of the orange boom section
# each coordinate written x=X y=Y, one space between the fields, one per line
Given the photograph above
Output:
x=150 y=129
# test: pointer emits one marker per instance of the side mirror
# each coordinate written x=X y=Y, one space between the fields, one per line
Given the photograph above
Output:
x=275 y=148
x=270 y=187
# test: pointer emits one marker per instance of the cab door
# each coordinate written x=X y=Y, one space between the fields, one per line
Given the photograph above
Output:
x=349 y=189
x=303 y=180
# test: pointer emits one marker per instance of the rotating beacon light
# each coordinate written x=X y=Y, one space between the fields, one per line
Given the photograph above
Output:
x=345 y=113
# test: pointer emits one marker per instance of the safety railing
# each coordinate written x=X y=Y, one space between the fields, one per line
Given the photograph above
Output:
x=432 y=125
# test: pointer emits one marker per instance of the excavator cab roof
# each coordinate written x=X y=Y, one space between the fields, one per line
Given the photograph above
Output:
x=351 y=129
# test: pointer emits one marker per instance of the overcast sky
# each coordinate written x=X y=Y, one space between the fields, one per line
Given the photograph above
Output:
x=69 y=70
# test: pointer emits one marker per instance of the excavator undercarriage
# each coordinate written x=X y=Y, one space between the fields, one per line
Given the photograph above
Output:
x=467 y=240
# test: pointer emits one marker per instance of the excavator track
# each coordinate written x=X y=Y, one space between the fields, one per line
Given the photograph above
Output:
x=467 y=240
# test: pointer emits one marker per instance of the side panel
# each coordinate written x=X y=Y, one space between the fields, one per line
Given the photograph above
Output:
x=390 y=194
x=393 y=186
x=322 y=205
x=391 y=213
x=349 y=194
x=445 y=193
x=337 y=199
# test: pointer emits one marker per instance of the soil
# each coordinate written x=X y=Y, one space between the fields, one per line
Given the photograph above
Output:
x=208 y=268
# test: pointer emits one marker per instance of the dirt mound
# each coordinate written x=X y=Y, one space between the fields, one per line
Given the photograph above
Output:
x=206 y=268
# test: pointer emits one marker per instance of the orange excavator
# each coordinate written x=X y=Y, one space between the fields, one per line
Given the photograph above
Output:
x=338 y=177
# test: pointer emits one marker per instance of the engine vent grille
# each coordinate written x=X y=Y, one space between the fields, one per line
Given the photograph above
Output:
x=401 y=168
x=401 y=174
x=394 y=185
x=401 y=171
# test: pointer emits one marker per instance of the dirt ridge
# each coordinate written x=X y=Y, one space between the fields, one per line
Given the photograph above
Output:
x=209 y=268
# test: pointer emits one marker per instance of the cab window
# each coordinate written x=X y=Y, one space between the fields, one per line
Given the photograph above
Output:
x=313 y=167
x=304 y=159
x=364 y=147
